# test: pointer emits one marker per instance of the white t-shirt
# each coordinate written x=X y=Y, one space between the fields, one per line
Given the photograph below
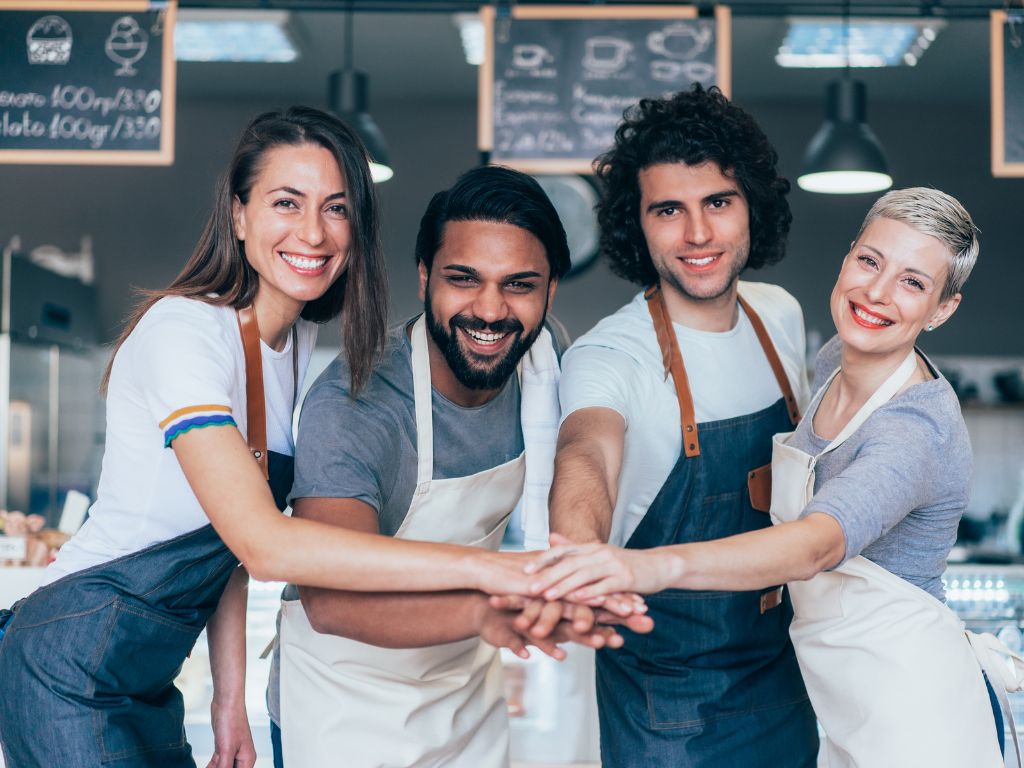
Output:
x=181 y=368
x=618 y=365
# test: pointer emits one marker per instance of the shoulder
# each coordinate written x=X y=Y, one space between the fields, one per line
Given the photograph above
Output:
x=389 y=383
x=927 y=416
x=774 y=305
x=628 y=333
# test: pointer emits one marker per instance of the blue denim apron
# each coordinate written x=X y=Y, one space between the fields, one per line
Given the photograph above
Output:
x=87 y=663
x=716 y=684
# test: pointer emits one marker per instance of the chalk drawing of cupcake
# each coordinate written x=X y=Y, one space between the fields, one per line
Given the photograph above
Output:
x=49 y=41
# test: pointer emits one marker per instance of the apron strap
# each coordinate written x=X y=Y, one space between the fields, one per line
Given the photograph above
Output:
x=773 y=360
x=1001 y=677
x=673 y=362
x=255 y=405
x=423 y=399
x=882 y=395
x=672 y=359
x=256 y=414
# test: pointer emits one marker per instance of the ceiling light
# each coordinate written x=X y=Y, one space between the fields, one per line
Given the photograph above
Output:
x=844 y=157
x=471 y=31
x=348 y=94
x=820 y=42
x=227 y=35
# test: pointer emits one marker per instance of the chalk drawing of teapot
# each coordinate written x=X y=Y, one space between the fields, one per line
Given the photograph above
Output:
x=680 y=41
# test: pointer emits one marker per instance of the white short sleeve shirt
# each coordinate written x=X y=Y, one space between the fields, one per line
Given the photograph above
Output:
x=181 y=368
x=618 y=365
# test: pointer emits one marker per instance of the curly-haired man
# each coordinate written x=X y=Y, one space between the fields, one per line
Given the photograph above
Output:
x=669 y=407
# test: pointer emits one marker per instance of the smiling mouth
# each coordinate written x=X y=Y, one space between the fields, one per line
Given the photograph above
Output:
x=309 y=264
x=484 y=340
x=700 y=262
x=868 y=319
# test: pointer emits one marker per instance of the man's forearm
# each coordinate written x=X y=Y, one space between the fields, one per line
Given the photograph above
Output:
x=581 y=501
x=225 y=634
x=395 y=620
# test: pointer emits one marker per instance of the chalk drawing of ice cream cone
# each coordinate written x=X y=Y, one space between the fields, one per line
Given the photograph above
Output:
x=126 y=45
x=49 y=41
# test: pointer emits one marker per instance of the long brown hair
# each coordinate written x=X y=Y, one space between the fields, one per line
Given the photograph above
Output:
x=218 y=264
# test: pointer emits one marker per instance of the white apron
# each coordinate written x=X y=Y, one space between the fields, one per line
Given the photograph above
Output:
x=346 y=703
x=891 y=675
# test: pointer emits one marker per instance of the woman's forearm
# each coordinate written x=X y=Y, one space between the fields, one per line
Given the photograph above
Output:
x=272 y=547
x=225 y=635
x=758 y=559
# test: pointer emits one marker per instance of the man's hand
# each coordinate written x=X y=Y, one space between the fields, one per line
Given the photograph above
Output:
x=232 y=739
x=509 y=629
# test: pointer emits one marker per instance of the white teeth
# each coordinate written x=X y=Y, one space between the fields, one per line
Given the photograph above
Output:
x=486 y=338
x=700 y=262
x=301 y=262
x=869 y=318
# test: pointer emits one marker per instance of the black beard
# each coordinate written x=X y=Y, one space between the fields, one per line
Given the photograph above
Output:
x=470 y=373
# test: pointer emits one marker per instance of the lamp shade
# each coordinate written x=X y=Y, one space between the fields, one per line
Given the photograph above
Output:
x=845 y=157
x=348 y=97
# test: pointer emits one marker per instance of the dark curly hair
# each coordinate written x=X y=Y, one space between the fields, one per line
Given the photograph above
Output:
x=692 y=127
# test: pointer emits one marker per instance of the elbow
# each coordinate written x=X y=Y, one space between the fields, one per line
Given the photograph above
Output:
x=315 y=613
x=262 y=562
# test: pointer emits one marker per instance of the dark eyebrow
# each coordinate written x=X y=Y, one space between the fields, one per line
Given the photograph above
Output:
x=657 y=205
x=908 y=269
x=297 y=193
x=463 y=269
x=521 y=276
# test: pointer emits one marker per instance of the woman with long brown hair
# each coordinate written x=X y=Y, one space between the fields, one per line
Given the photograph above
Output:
x=203 y=380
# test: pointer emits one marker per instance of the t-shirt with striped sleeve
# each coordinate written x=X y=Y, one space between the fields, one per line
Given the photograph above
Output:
x=182 y=368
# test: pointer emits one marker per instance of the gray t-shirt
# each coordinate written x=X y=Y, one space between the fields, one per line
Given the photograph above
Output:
x=365 y=448
x=900 y=483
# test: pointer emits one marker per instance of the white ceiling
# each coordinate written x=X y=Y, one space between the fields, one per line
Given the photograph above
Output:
x=418 y=56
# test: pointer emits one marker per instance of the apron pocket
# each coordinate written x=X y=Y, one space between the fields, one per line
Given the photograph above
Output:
x=138 y=709
x=690 y=698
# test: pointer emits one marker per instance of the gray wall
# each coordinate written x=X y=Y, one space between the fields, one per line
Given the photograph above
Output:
x=144 y=221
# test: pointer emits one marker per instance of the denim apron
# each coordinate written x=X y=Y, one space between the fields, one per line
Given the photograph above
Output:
x=716 y=684
x=87 y=663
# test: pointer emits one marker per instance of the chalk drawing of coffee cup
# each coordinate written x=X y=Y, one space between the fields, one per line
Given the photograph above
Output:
x=605 y=55
x=49 y=41
x=126 y=44
x=530 y=56
x=680 y=41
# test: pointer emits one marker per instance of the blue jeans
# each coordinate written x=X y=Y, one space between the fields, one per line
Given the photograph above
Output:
x=275 y=741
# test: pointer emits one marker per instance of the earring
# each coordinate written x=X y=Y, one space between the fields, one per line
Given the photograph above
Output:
x=930 y=327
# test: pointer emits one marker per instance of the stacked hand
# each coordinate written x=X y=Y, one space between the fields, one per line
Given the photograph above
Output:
x=571 y=599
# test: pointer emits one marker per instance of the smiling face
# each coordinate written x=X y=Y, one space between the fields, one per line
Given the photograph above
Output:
x=485 y=300
x=889 y=289
x=697 y=226
x=295 y=227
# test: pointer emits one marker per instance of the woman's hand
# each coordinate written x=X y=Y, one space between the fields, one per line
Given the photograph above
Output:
x=582 y=573
x=232 y=738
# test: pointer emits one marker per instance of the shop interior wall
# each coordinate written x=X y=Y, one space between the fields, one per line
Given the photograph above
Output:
x=144 y=221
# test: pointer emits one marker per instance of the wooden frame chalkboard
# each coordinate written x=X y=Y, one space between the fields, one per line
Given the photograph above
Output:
x=87 y=82
x=1007 y=62
x=555 y=79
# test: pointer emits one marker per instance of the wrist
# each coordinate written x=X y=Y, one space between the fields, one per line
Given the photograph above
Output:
x=672 y=569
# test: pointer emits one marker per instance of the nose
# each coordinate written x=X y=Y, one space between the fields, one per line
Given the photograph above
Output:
x=879 y=289
x=699 y=230
x=311 y=227
x=490 y=305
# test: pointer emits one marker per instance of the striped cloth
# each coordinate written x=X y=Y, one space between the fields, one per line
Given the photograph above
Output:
x=194 y=417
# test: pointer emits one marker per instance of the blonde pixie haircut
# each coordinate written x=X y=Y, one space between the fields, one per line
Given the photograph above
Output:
x=934 y=213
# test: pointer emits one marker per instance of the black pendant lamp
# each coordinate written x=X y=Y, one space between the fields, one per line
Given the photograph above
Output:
x=845 y=157
x=348 y=94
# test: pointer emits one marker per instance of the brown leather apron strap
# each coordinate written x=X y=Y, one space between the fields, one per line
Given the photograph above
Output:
x=673 y=362
x=256 y=414
x=773 y=360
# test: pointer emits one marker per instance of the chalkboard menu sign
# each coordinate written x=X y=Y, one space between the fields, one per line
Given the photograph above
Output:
x=87 y=82
x=1007 y=94
x=555 y=80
